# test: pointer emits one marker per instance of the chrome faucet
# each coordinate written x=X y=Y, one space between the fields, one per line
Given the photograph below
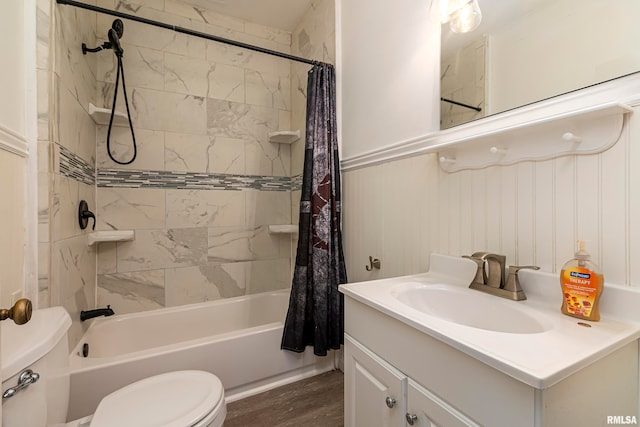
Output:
x=490 y=276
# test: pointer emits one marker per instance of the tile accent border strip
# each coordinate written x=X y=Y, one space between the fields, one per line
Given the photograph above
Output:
x=76 y=168
x=122 y=178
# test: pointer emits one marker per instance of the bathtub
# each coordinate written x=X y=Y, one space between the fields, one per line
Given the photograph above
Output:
x=237 y=339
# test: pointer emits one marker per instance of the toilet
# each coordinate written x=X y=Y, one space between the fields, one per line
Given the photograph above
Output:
x=35 y=385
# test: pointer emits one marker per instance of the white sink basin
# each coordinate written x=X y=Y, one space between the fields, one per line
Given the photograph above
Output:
x=469 y=307
x=529 y=340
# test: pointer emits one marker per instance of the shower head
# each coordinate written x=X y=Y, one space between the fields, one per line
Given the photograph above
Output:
x=115 y=42
x=118 y=26
x=114 y=34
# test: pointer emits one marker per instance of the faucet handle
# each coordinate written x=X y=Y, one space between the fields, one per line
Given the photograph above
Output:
x=494 y=273
x=479 y=279
x=513 y=282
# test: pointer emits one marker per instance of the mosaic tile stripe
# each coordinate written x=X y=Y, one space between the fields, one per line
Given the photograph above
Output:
x=76 y=168
x=296 y=182
x=115 y=178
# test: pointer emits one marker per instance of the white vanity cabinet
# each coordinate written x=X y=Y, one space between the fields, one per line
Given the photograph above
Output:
x=374 y=390
x=377 y=394
x=443 y=386
x=425 y=409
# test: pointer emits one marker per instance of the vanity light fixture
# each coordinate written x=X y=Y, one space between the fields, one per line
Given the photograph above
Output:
x=463 y=16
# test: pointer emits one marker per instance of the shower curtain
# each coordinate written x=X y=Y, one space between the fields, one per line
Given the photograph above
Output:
x=315 y=315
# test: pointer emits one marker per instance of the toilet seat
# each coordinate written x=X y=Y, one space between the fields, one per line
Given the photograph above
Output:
x=174 y=399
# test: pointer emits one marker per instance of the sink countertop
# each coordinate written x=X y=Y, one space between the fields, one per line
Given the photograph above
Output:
x=538 y=359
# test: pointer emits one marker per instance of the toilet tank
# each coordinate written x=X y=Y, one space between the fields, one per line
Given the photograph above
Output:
x=40 y=345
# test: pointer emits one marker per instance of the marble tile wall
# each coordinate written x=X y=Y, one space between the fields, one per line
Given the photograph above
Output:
x=66 y=158
x=206 y=182
x=45 y=162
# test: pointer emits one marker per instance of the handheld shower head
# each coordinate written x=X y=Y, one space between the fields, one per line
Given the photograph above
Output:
x=115 y=42
x=118 y=25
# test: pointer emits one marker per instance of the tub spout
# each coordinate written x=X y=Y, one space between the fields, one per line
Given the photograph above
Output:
x=90 y=314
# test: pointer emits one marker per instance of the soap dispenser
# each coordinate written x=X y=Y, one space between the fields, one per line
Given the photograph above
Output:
x=582 y=284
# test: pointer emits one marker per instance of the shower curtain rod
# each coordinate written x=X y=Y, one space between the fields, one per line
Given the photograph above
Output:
x=478 y=109
x=187 y=31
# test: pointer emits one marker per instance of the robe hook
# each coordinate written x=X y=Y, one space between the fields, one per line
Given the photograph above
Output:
x=373 y=264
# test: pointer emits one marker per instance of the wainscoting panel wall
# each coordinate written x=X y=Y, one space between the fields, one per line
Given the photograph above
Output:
x=532 y=212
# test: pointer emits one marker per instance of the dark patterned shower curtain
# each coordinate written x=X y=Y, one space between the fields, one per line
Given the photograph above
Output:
x=315 y=315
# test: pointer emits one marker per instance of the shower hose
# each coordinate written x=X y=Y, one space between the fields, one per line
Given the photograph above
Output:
x=119 y=75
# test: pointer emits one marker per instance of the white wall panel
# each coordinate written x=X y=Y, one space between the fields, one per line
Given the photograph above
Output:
x=564 y=210
x=362 y=221
x=543 y=216
x=406 y=249
x=478 y=213
x=453 y=214
x=525 y=215
x=442 y=241
x=390 y=213
x=615 y=211
x=466 y=214
x=588 y=204
x=493 y=182
x=508 y=200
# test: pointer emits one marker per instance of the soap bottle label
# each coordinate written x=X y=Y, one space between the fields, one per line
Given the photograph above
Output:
x=580 y=288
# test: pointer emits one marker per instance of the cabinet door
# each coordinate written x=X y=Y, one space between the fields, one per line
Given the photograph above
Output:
x=373 y=390
x=425 y=409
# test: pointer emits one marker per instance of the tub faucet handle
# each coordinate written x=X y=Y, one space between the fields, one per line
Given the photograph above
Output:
x=84 y=214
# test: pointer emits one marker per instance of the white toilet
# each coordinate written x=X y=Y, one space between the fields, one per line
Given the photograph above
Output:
x=39 y=349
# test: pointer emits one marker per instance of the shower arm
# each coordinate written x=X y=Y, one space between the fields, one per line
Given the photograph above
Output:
x=103 y=46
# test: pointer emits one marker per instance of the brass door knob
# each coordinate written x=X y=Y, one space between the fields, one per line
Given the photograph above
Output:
x=20 y=313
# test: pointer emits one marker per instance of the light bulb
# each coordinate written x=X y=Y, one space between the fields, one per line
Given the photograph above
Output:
x=449 y=7
x=466 y=18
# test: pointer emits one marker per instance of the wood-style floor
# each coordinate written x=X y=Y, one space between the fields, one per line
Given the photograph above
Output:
x=313 y=402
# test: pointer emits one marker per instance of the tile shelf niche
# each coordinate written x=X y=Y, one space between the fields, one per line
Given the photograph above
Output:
x=283 y=229
x=102 y=116
x=583 y=131
x=284 y=136
x=110 y=236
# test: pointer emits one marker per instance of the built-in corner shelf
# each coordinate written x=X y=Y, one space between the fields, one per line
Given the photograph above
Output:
x=110 y=236
x=283 y=229
x=102 y=116
x=284 y=136
x=584 y=131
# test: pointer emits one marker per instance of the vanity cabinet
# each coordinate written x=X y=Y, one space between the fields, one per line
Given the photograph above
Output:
x=374 y=390
x=425 y=409
x=443 y=386
x=377 y=394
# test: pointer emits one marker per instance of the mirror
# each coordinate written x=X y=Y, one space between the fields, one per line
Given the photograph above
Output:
x=525 y=51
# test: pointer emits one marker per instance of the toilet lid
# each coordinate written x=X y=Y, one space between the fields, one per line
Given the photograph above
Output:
x=175 y=399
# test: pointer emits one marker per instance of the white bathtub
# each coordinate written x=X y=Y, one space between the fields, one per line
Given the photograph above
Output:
x=237 y=339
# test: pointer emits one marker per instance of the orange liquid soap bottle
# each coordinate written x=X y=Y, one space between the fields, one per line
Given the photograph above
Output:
x=582 y=283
